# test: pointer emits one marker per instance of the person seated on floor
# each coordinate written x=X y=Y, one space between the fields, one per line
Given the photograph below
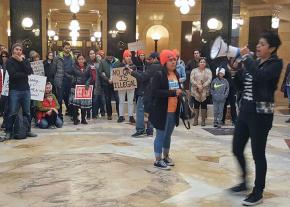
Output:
x=47 y=110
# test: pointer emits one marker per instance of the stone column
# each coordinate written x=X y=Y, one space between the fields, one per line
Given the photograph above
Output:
x=20 y=10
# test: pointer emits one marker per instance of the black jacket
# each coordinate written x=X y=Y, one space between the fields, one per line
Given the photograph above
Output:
x=48 y=71
x=160 y=94
x=18 y=74
x=140 y=68
x=143 y=78
x=78 y=77
x=265 y=77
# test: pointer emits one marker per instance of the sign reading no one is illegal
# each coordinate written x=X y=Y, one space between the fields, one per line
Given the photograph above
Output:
x=122 y=80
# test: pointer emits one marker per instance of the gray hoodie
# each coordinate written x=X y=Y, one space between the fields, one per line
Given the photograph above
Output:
x=219 y=89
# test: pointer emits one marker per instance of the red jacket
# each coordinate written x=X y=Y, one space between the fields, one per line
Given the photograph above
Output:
x=44 y=106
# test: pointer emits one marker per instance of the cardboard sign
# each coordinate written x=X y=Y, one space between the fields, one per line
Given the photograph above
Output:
x=82 y=93
x=134 y=46
x=37 y=86
x=122 y=80
x=37 y=67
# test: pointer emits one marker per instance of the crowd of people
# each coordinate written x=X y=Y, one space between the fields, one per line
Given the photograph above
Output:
x=161 y=80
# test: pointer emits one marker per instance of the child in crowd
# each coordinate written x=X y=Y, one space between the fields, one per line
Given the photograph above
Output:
x=80 y=76
x=219 y=90
x=47 y=110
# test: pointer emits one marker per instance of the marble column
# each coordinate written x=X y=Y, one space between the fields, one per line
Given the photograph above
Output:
x=221 y=10
x=124 y=10
x=20 y=9
x=4 y=22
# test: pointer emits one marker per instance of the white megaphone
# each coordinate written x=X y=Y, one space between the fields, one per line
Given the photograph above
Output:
x=221 y=49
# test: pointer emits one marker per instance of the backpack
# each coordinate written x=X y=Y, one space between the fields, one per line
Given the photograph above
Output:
x=186 y=111
x=20 y=127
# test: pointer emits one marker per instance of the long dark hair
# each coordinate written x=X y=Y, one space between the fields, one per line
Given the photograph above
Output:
x=3 y=53
x=77 y=63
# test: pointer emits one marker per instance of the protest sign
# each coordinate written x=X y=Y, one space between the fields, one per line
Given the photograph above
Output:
x=82 y=93
x=122 y=80
x=37 y=86
x=134 y=46
x=5 y=89
x=37 y=67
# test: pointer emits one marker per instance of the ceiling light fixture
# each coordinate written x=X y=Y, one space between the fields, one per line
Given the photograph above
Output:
x=184 y=5
x=74 y=5
x=27 y=23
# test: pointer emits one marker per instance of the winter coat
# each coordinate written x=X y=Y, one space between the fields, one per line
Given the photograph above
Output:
x=44 y=106
x=145 y=78
x=181 y=72
x=160 y=94
x=200 y=77
x=58 y=69
x=105 y=70
x=219 y=89
x=141 y=67
x=95 y=78
x=265 y=79
x=18 y=74
x=48 y=71
x=79 y=77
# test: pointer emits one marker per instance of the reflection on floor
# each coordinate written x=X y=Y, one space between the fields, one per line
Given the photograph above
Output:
x=101 y=165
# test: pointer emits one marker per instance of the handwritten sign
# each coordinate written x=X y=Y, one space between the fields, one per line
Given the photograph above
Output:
x=122 y=80
x=5 y=89
x=82 y=93
x=37 y=67
x=134 y=46
x=37 y=86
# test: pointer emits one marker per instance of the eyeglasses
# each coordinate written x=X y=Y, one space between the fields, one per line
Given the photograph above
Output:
x=4 y=56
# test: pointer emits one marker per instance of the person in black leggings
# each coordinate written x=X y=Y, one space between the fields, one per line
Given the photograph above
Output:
x=259 y=80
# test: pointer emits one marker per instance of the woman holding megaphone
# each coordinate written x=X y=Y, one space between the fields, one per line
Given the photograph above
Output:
x=259 y=80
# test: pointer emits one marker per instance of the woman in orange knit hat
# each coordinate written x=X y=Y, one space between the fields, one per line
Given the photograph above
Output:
x=127 y=62
x=164 y=115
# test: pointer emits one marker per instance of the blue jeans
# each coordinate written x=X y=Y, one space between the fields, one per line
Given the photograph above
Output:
x=140 y=126
x=17 y=99
x=98 y=104
x=288 y=93
x=163 y=137
x=62 y=94
x=44 y=124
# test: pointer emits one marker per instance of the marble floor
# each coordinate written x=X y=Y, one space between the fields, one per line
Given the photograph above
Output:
x=100 y=165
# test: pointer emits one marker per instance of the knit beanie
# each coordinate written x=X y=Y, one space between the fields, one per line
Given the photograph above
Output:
x=127 y=53
x=17 y=45
x=165 y=55
x=220 y=70
x=140 y=52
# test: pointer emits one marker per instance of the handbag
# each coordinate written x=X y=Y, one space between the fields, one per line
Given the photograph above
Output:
x=186 y=111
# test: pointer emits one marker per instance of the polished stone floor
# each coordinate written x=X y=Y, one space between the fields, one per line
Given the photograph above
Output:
x=100 y=165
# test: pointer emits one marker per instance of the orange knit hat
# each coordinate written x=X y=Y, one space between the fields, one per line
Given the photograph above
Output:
x=165 y=55
x=127 y=53
x=140 y=52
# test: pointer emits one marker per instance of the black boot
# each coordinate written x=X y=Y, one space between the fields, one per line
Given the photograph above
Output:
x=83 y=114
x=75 y=116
